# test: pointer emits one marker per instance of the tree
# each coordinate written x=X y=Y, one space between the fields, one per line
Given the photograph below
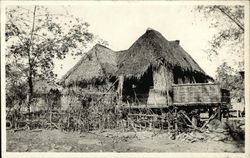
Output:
x=229 y=21
x=15 y=90
x=231 y=80
x=35 y=36
x=15 y=81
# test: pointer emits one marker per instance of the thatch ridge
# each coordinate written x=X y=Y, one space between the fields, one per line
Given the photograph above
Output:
x=151 y=49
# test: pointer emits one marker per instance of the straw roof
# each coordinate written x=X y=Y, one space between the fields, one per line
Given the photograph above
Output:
x=151 y=49
x=44 y=86
x=97 y=64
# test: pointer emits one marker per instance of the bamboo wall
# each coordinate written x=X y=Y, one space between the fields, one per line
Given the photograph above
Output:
x=74 y=96
x=163 y=94
x=160 y=79
x=199 y=93
x=159 y=95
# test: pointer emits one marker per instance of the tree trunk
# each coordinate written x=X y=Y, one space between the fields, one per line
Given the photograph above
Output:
x=30 y=83
x=30 y=92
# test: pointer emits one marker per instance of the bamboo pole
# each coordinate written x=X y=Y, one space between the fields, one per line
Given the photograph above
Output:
x=132 y=124
x=106 y=92
x=219 y=112
x=176 y=125
x=212 y=117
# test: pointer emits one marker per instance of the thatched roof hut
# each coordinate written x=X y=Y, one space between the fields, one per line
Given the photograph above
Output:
x=151 y=49
x=97 y=64
x=90 y=78
x=150 y=67
x=43 y=86
x=146 y=71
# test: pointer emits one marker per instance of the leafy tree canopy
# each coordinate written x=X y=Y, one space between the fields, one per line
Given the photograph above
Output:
x=231 y=80
x=229 y=23
x=35 y=36
x=228 y=20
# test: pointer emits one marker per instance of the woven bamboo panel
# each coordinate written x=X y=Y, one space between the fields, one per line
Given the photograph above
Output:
x=156 y=98
x=184 y=94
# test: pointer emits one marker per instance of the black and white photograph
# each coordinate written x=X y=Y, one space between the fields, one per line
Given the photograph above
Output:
x=125 y=77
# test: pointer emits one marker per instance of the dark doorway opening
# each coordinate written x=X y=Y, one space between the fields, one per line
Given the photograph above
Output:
x=137 y=90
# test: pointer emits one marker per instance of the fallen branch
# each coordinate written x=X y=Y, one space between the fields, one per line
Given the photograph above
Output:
x=19 y=129
x=186 y=116
x=196 y=128
x=36 y=130
x=192 y=126
x=92 y=133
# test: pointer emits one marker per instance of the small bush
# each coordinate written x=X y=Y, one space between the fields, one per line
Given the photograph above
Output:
x=235 y=130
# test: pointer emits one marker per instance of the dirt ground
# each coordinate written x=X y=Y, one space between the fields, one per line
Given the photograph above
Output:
x=117 y=141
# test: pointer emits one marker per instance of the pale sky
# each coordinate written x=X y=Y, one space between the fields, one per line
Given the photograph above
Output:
x=121 y=25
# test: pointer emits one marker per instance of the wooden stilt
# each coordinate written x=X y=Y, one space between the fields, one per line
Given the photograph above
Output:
x=176 y=125
x=194 y=121
x=219 y=112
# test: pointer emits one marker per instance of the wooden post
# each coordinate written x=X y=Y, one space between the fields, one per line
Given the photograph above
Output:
x=194 y=121
x=219 y=112
x=150 y=124
x=161 y=118
x=79 y=121
x=50 y=116
x=175 y=123
x=87 y=125
x=227 y=114
x=194 y=81
x=168 y=125
x=120 y=87
x=168 y=87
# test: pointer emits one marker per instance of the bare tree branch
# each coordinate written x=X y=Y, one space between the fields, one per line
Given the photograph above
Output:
x=241 y=26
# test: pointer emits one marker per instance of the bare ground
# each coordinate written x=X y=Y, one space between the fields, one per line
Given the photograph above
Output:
x=117 y=141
